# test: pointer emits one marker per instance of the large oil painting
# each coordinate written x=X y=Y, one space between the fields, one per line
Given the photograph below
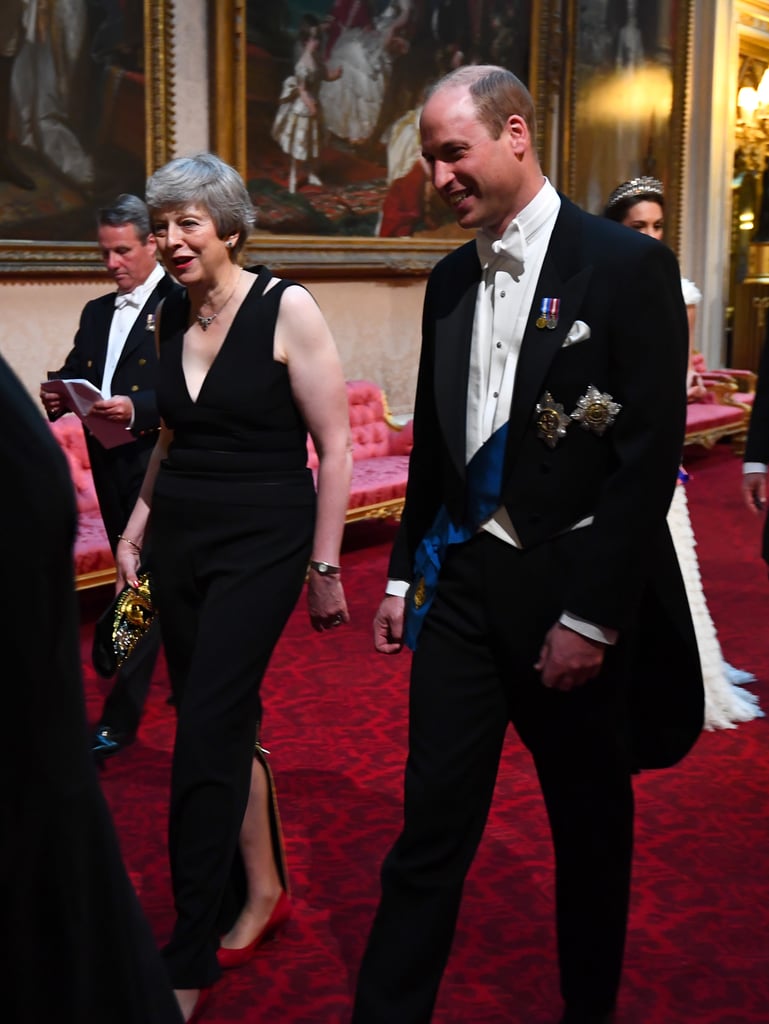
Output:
x=627 y=98
x=74 y=91
x=333 y=94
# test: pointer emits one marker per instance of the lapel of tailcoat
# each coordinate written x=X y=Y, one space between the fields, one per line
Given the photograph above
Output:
x=563 y=277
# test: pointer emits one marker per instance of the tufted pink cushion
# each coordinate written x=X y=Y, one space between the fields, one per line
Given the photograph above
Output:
x=380 y=452
x=372 y=436
x=701 y=414
x=378 y=480
x=92 y=550
x=69 y=434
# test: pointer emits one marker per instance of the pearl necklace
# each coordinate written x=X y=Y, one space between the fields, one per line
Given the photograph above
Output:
x=206 y=321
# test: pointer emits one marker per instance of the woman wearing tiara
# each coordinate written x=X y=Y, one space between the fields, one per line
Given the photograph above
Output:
x=640 y=204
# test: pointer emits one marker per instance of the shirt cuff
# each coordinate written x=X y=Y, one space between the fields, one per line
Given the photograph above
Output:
x=754 y=467
x=603 y=634
x=397 y=588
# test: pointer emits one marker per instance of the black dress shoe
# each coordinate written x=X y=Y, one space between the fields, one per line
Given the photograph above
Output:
x=574 y=1016
x=108 y=742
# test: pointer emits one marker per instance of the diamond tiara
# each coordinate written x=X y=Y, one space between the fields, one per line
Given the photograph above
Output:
x=642 y=186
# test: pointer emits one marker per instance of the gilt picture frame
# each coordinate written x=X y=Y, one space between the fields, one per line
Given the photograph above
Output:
x=625 y=100
x=334 y=229
x=119 y=79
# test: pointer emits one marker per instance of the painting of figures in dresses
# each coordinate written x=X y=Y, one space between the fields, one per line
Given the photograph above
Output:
x=72 y=123
x=334 y=92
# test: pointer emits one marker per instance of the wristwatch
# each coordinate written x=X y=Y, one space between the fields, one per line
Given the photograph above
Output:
x=325 y=568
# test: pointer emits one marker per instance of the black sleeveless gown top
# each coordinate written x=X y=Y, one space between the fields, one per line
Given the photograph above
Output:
x=244 y=438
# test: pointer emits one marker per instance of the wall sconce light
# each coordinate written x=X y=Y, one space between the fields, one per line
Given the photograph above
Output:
x=754 y=103
x=747 y=101
x=752 y=128
x=747 y=221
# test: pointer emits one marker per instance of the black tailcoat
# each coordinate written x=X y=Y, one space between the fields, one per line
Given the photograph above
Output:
x=118 y=472
x=626 y=288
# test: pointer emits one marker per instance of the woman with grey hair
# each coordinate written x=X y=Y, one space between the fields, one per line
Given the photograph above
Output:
x=247 y=367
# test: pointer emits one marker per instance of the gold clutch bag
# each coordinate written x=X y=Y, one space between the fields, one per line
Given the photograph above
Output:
x=123 y=625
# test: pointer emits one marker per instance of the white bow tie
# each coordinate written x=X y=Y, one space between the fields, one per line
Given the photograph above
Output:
x=121 y=301
x=511 y=246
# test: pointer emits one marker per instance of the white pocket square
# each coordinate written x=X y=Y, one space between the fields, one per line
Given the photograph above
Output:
x=578 y=331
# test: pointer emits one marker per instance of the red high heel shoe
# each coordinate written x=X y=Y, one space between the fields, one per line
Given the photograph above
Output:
x=237 y=957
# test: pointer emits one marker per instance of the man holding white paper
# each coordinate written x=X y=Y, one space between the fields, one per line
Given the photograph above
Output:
x=114 y=351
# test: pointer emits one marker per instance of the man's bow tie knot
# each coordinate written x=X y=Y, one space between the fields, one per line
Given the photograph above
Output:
x=121 y=301
x=510 y=246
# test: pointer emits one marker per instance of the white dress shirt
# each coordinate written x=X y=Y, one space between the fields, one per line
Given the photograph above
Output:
x=127 y=309
x=510 y=274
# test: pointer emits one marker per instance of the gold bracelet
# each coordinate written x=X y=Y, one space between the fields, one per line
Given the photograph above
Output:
x=133 y=543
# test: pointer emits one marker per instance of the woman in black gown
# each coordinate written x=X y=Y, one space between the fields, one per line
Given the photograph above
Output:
x=76 y=947
x=247 y=367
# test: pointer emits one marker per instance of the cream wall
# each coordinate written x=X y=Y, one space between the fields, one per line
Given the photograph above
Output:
x=377 y=329
x=375 y=323
x=38 y=324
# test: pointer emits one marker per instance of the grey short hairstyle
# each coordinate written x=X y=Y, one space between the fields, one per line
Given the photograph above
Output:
x=207 y=180
x=497 y=93
x=126 y=209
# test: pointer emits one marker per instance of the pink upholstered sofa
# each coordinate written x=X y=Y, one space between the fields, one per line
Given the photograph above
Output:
x=724 y=412
x=381 y=450
x=380 y=454
x=94 y=564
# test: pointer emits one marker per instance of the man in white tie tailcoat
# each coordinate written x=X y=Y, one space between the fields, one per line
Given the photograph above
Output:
x=114 y=349
x=533 y=573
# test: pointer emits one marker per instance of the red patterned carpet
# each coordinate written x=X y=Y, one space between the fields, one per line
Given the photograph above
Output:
x=698 y=948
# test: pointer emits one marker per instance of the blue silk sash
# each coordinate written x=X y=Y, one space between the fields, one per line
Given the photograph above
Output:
x=484 y=487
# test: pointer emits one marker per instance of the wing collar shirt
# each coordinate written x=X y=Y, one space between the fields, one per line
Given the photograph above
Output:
x=127 y=309
x=511 y=267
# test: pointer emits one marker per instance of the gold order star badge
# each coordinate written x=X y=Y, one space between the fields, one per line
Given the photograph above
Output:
x=595 y=410
x=420 y=593
x=551 y=420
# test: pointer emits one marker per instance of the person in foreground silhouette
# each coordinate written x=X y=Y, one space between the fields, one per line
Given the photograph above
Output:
x=76 y=946
x=247 y=366
x=533 y=574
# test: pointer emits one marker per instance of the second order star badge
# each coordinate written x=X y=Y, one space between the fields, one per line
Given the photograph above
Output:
x=551 y=420
x=595 y=410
